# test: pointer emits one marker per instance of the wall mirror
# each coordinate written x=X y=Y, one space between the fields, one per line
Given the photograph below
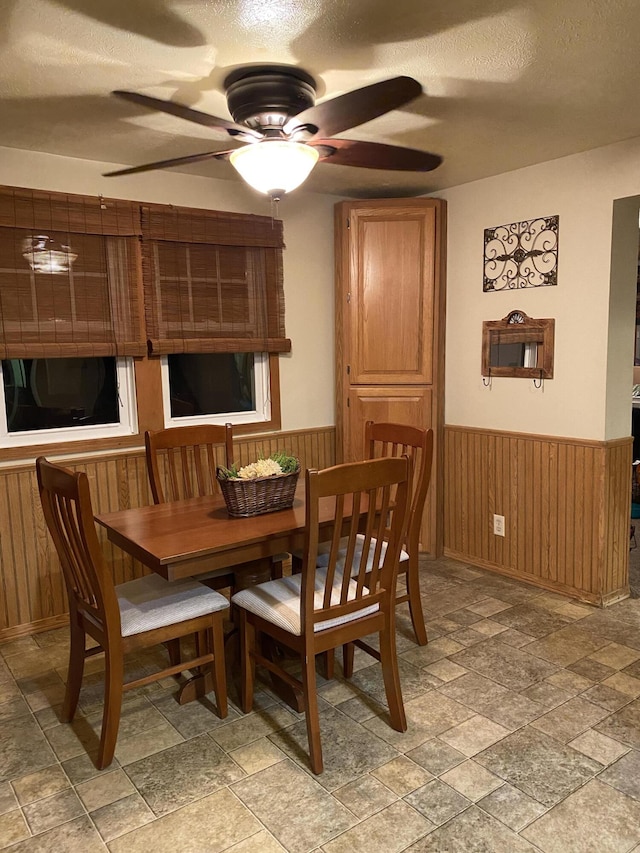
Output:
x=518 y=346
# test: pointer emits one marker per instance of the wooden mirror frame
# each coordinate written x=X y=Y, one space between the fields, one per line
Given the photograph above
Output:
x=516 y=327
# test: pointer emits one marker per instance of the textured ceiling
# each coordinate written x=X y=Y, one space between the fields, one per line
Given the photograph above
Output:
x=507 y=84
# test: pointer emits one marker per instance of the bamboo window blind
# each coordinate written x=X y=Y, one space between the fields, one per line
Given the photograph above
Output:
x=213 y=281
x=91 y=309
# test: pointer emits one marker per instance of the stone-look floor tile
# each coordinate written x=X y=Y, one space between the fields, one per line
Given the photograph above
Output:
x=42 y=784
x=365 y=796
x=436 y=757
x=596 y=818
x=53 y=811
x=335 y=692
x=513 y=711
x=489 y=628
x=9 y=648
x=474 y=690
x=402 y=775
x=147 y=743
x=440 y=627
x=532 y=620
x=36 y=661
x=218 y=821
x=388 y=831
x=447 y=602
x=261 y=842
x=473 y=831
x=446 y=670
x=427 y=716
x=510 y=667
x=591 y=669
x=105 y=789
x=415 y=681
x=567 y=721
x=9 y=690
x=616 y=656
x=489 y=607
x=605 y=696
x=83 y=767
x=539 y=765
x=8 y=801
x=14 y=708
x=467 y=637
x=12 y=828
x=512 y=807
x=575 y=611
x=422 y=656
x=474 y=735
x=252 y=727
x=514 y=638
x=48 y=717
x=569 y=681
x=437 y=802
x=76 y=835
x=633 y=669
x=194 y=718
x=464 y=617
x=362 y=707
x=546 y=695
x=624 y=775
x=257 y=755
x=138 y=716
x=170 y=779
x=471 y=780
x=69 y=740
x=565 y=647
x=348 y=749
x=624 y=683
x=23 y=748
x=624 y=725
x=121 y=816
x=599 y=747
x=316 y=817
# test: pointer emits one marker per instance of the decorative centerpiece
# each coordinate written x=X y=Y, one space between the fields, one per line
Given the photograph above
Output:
x=263 y=486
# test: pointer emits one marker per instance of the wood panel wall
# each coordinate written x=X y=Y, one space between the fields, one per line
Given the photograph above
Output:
x=32 y=596
x=566 y=504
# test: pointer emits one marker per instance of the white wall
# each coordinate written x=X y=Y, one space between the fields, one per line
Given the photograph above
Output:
x=589 y=396
x=307 y=373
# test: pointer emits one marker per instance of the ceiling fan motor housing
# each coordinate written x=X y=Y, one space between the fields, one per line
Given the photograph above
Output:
x=266 y=95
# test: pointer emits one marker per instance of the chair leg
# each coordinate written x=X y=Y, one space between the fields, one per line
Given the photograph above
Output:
x=311 y=711
x=415 y=603
x=391 y=677
x=114 y=675
x=76 y=669
x=219 y=674
x=248 y=665
x=173 y=647
x=347 y=659
x=328 y=660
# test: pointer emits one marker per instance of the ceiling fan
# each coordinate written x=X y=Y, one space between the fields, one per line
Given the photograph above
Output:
x=285 y=133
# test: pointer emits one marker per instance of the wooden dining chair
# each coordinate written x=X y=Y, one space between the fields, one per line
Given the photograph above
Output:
x=133 y=615
x=351 y=597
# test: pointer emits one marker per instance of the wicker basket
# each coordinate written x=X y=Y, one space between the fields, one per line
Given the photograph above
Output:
x=263 y=494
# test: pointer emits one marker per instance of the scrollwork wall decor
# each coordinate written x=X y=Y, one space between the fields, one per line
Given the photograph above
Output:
x=522 y=254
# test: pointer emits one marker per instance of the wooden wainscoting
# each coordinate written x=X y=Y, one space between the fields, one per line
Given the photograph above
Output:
x=566 y=504
x=32 y=595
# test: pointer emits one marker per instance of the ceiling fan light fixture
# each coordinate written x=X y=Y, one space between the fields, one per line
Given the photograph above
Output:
x=45 y=255
x=274 y=166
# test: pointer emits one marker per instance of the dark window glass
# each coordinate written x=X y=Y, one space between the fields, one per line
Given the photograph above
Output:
x=48 y=393
x=211 y=383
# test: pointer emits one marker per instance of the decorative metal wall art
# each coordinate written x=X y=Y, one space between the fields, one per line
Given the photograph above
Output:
x=523 y=254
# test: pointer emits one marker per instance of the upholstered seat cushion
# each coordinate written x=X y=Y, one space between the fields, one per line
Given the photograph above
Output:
x=152 y=602
x=278 y=602
x=325 y=547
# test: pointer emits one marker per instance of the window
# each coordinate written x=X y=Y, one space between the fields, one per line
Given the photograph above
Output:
x=216 y=388
x=62 y=399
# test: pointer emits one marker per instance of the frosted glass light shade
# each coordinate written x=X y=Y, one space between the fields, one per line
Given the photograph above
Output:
x=274 y=166
x=47 y=256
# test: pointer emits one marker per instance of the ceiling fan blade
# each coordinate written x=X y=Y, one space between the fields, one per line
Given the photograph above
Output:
x=176 y=161
x=357 y=107
x=188 y=114
x=375 y=155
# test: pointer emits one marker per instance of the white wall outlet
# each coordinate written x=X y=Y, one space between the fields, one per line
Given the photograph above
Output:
x=498 y=525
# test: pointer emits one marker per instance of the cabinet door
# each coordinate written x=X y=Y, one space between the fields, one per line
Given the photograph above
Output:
x=391 y=295
x=405 y=405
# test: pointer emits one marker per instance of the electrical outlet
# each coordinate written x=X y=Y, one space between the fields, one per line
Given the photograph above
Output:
x=498 y=525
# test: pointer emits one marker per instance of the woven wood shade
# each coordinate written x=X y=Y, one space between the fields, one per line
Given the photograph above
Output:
x=212 y=281
x=91 y=309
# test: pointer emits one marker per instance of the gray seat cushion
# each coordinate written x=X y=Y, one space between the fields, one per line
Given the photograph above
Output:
x=325 y=547
x=152 y=602
x=278 y=602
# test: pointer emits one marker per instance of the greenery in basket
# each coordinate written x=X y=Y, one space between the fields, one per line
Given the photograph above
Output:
x=277 y=464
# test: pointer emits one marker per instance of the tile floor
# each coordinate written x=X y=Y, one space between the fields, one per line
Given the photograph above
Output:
x=524 y=735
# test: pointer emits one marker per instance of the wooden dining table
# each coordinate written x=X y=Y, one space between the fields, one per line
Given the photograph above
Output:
x=191 y=537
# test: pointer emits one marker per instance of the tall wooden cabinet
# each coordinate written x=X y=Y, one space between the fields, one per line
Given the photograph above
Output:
x=390 y=328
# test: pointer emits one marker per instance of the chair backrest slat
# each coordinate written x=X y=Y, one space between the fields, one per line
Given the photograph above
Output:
x=182 y=461
x=359 y=572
